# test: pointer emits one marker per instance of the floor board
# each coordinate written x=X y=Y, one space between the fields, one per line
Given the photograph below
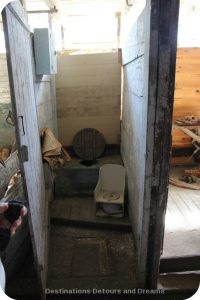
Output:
x=87 y=258
x=81 y=210
x=182 y=224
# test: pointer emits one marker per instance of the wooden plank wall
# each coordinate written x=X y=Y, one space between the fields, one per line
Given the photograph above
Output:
x=134 y=128
x=88 y=88
x=149 y=68
x=187 y=90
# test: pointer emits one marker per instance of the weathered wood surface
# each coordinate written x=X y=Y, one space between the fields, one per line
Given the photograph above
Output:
x=11 y=167
x=134 y=127
x=164 y=24
x=185 y=285
x=81 y=211
x=135 y=43
x=19 y=55
x=89 y=257
x=180 y=264
x=146 y=129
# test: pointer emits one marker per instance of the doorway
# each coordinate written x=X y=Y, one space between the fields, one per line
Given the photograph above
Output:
x=182 y=226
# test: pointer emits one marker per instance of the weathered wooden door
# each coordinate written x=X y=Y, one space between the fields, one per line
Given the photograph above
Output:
x=19 y=56
x=149 y=59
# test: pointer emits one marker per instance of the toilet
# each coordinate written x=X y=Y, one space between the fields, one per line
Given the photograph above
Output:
x=109 y=192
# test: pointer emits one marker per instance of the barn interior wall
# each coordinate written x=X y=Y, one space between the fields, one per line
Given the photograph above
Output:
x=88 y=91
x=187 y=92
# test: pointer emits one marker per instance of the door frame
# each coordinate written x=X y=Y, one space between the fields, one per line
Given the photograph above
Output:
x=162 y=66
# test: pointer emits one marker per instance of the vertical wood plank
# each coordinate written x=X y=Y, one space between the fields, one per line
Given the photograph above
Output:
x=167 y=25
x=19 y=56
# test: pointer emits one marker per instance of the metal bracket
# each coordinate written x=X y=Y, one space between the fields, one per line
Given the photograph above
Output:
x=24 y=153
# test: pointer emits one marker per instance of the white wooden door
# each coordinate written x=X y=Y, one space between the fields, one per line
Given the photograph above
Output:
x=19 y=56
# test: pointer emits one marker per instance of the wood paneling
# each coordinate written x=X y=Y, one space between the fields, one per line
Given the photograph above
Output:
x=134 y=127
x=187 y=90
x=74 y=210
x=88 y=95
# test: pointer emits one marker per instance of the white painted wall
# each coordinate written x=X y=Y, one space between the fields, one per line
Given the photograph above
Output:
x=88 y=95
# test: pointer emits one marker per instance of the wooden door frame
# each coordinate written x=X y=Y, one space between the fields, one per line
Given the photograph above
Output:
x=162 y=66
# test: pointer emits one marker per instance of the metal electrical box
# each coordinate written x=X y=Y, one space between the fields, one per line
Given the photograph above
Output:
x=45 y=55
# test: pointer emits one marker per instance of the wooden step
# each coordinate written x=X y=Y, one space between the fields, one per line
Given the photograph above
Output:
x=76 y=210
x=180 y=264
x=185 y=283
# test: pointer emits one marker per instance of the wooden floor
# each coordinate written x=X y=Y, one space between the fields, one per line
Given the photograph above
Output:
x=183 y=210
x=87 y=258
x=182 y=225
x=80 y=210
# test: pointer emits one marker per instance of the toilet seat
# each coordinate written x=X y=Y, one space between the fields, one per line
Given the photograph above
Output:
x=111 y=196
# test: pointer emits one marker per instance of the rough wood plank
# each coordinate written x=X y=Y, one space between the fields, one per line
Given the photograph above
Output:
x=135 y=44
x=81 y=211
x=19 y=55
x=134 y=129
x=19 y=12
x=105 y=250
x=180 y=264
x=179 y=283
x=166 y=24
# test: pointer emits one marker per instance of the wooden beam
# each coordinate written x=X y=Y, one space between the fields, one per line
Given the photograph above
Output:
x=163 y=37
x=180 y=264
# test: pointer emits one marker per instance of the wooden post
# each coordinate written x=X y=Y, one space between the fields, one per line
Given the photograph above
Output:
x=163 y=36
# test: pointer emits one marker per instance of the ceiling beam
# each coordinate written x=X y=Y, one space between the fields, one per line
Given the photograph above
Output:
x=56 y=6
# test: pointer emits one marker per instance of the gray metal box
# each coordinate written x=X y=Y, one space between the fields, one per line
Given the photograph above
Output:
x=45 y=55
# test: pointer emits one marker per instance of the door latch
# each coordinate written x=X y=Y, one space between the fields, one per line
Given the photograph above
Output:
x=24 y=153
